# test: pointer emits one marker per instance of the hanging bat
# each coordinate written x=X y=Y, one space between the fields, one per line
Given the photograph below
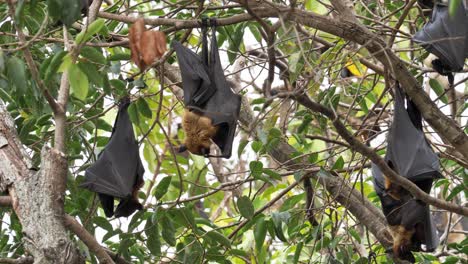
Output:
x=211 y=107
x=118 y=172
x=410 y=222
x=446 y=37
x=410 y=155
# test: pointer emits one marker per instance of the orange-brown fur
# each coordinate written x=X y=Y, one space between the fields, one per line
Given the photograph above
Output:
x=199 y=131
x=392 y=189
x=401 y=240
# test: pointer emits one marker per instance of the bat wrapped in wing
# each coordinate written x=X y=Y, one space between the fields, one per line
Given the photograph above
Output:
x=211 y=107
x=446 y=37
x=118 y=172
x=408 y=154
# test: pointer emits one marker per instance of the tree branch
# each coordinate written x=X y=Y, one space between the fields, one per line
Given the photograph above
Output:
x=88 y=239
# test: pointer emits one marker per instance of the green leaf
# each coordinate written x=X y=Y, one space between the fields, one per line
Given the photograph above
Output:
x=235 y=41
x=78 y=82
x=355 y=235
x=246 y=207
x=297 y=253
x=313 y=157
x=219 y=238
x=162 y=187
x=455 y=191
x=253 y=27
x=260 y=231
x=256 y=168
x=439 y=90
x=168 y=231
x=54 y=65
x=93 y=54
x=272 y=174
x=256 y=146
x=451 y=260
x=278 y=220
x=453 y=6
x=143 y=108
x=103 y=223
x=92 y=29
x=92 y=72
x=67 y=11
x=119 y=57
x=154 y=240
x=2 y=62
x=339 y=164
x=292 y=201
x=294 y=60
x=16 y=72
x=133 y=114
x=243 y=143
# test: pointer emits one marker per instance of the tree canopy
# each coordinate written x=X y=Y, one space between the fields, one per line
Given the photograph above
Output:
x=317 y=80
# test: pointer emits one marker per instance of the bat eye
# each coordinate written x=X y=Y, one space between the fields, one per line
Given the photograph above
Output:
x=182 y=148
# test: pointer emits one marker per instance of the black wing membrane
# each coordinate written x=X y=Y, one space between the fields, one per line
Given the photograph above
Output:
x=207 y=92
x=118 y=169
x=412 y=157
x=197 y=84
x=446 y=36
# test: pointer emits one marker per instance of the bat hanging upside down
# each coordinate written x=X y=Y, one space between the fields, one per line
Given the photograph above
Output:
x=199 y=132
x=406 y=218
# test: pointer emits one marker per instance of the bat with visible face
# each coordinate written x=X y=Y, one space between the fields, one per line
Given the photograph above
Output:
x=211 y=107
x=199 y=132
x=118 y=172
x=410 y=155
x=410 y=222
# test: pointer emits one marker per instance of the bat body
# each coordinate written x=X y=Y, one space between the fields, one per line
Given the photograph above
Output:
x=118 y=172
x=199 y=132
x=410 y=155
x=211 y=107
x=407 y=218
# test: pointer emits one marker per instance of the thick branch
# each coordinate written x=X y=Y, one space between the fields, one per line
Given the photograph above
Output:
x=88 y=239
x=37 y=200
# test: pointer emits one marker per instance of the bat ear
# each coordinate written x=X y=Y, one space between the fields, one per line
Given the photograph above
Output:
x=182 y=148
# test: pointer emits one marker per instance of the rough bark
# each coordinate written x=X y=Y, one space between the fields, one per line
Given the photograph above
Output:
x=36 y=198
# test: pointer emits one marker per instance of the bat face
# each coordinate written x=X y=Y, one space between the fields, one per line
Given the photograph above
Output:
x=199 y=132
x=406 y=220
x=402 y=242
